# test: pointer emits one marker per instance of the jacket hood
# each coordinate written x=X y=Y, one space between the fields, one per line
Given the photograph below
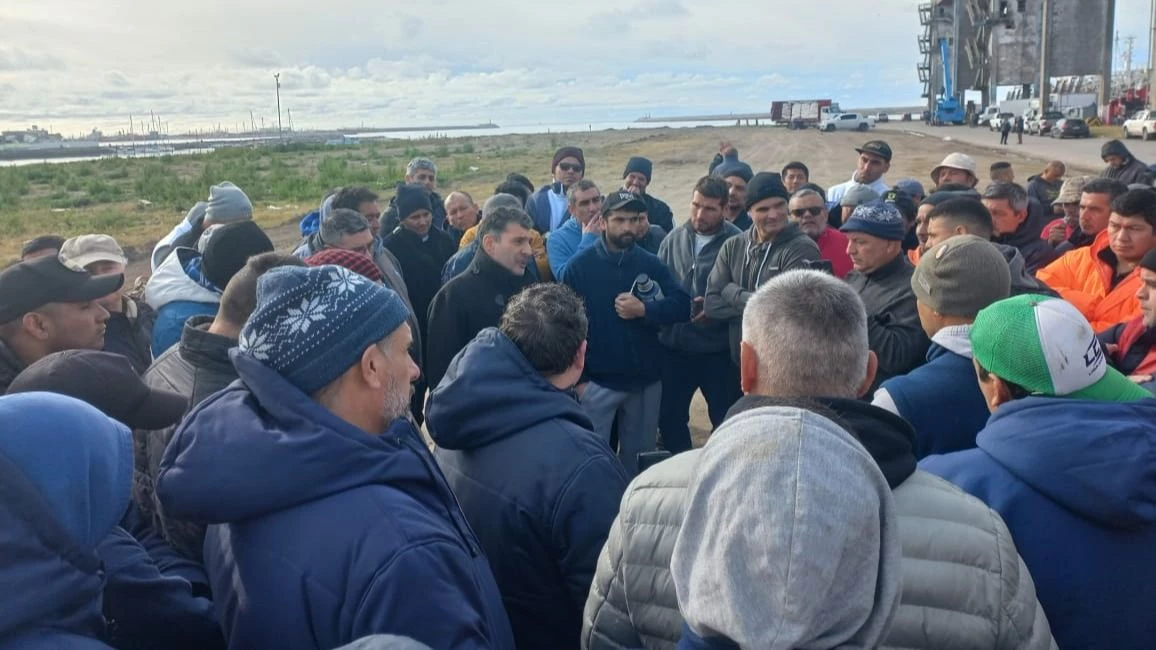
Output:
x=1097 y=459
x=49 y=525
x=491 y=392
x=790 y=538
x=1021 y=281
x=261 y=445
x=887 y=437
x=1115 y=148
x=1029 y=231
x=171 y=282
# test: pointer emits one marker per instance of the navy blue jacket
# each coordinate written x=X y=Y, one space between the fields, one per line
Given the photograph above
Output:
x=535 y=482
x=321 y=533
x=148 y=610
x=52 y=585
x=942 y=400
x=624 y=355
x=540 y=209
x=1075 y=481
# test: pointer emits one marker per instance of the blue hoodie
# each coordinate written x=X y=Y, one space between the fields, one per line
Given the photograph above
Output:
x=1075 y=481
x=624 y=355
x=543 y=524
x=50 y=525
x=321 y=533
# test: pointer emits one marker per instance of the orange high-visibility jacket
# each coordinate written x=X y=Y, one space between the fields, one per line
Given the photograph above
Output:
x=1084 y=279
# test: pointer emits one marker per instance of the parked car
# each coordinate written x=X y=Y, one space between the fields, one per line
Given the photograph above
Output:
x=996 y=123
x=990 y=113
x=1042 y=124
x=1142 y=124
x=1071 y=127
x=846 y=122
x=882 y=117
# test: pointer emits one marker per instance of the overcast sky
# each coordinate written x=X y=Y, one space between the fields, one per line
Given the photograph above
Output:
x=78 y=64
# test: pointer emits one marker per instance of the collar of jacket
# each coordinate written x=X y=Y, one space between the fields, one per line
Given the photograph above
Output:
x=887 y=437
x=486 y=266
x=790 y=232
x=890 y=268
x=203 y=349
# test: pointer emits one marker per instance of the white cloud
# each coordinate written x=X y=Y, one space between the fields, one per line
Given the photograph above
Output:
x=353 y=61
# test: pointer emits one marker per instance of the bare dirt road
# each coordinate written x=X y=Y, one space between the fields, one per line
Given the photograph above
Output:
x=681 y=156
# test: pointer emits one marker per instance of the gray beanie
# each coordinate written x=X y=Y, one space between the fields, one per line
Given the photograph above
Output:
x=857 y=195
x=227 y=204
x=500 y=201
x=961 y=276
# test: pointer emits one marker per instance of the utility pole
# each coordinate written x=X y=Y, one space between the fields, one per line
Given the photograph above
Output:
x=1045 y=88
x=289 y=114
x=1152 y=53
x=1106 y=60
x=277 y=80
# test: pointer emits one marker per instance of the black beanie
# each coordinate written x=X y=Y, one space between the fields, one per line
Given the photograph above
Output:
x=567 y=152
x=639 y=165
x=228 y=249
x=410 y=199
x=765 y=185
x=1149 y=261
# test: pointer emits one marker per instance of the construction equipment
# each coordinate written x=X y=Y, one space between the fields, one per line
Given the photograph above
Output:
x=947 y=107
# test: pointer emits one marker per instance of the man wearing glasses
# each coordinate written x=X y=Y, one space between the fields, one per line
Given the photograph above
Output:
x=548 y=205
x=584 y=227
x=809 y=210
x=629 y=294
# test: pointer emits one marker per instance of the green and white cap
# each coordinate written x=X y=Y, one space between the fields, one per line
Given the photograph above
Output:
x=1046 y=346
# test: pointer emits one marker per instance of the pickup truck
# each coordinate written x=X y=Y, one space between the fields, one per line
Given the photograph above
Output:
x=1042 y=124
x=846 y=122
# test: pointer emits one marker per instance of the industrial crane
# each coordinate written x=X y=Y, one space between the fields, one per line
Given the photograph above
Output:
x=947 y=108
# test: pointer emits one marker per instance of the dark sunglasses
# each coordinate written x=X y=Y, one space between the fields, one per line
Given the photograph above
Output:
x=569 y=167
x=814 y=212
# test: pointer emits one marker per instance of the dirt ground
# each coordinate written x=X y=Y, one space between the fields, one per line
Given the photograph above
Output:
x=681 y=156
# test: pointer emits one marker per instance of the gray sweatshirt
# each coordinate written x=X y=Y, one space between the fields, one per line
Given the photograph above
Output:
x=790 y=538
x=693 y=271
x=744 y=265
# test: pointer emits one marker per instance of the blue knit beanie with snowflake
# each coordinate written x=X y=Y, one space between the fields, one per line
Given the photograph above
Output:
x=312 y=324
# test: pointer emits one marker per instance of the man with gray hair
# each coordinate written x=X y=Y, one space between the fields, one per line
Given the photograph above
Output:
x=581 y=230
x=1015 y=225
x=474 y=300
x=341 y=228
x=972 y=593
x=419 y=171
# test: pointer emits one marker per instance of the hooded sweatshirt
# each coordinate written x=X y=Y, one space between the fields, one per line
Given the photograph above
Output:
x=743 y=265
x=50 y=527
x=177 y=291
x=790 y=538
x=1133 y=171
x=320 y=533
x=1075 y=480
x=1021 y=281
x=964 y=585
x=1037 y=253
x=693 y=269
x=543 y=525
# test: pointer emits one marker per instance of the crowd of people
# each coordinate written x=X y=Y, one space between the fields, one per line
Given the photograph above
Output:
x=466 y=424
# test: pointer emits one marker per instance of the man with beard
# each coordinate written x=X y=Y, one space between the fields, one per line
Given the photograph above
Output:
x=629 y=294
x=809 y=210
x=636 y=178
x=547 y=206
x=313 y=436
x=772 y=246
x=737 y=175
x=475 y=299
x=874 y=162
x=696 y=355
x=419 y=171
